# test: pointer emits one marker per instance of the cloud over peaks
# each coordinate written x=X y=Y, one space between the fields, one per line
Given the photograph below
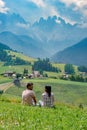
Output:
x=46 y=7
x=80 y=5
x=3 y=9
x=72 y=11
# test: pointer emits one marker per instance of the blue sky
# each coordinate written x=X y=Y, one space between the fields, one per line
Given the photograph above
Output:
x=72 y=11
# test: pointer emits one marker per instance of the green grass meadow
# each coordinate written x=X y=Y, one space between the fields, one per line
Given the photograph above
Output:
x=67 y=92
x=5 y=80
x=18 y=117
x=17 y=68
x=67 y=115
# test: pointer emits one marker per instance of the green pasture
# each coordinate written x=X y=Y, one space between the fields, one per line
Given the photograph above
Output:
x=66 y=92
x=53 y=74
x=20 y=69
x=5 y=80
x=15 y=116
x=22 y=56
x=17 y=68
x=61 y=67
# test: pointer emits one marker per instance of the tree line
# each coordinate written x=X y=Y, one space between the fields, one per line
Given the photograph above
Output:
x=69 y=69
x=8 y=60
x=44 y=65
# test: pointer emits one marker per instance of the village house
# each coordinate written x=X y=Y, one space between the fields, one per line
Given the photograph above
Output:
x=35 y=74
x=9 y=74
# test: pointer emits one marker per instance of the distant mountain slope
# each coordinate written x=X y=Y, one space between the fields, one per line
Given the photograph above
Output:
x=46 y=36
x=56 y=34
x=3 y=46
x=11 y=22
x=76 y=54
x=22 y=43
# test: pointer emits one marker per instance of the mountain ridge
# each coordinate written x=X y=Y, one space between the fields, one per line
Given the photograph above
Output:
x=46 y=36
x=24 y=44
x=76 y=54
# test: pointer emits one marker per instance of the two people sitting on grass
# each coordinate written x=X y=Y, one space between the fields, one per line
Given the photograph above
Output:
x=29 y=98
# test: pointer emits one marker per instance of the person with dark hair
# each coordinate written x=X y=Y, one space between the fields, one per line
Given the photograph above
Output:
x=28 y=95
x=48 y=97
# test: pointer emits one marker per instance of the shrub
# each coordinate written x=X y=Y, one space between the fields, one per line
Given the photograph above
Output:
x=1 y=91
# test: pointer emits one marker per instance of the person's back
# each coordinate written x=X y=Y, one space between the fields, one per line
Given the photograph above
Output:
x=48 y=97
x=28 y=95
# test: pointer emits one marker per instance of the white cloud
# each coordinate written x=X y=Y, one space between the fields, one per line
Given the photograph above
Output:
x=23 y=25
x=53 y=11
x=3 y=9
x=46 y=8
x=80 y=5
x=39 y=3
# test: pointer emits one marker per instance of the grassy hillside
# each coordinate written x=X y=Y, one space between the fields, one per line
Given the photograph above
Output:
x=14 y=116
x=17 y=68
x=22 y=56
x=20 y=68
x=5 y=80
x=67 y=92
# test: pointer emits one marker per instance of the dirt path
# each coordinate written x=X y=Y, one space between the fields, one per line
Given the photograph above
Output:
x=5 y=86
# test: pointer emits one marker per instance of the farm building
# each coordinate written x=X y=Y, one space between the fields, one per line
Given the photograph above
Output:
x=9 y=74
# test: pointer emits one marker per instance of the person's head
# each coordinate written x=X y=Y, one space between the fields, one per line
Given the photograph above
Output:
x=48 y=90
x=30 y=86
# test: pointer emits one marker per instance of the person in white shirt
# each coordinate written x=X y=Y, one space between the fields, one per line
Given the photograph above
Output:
x=28 y=95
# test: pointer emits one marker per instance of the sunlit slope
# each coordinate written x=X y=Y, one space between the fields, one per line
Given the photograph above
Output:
x=22 y=56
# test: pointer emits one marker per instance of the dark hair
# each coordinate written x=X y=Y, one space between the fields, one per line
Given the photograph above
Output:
x=48 y=90
x=29 y=84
